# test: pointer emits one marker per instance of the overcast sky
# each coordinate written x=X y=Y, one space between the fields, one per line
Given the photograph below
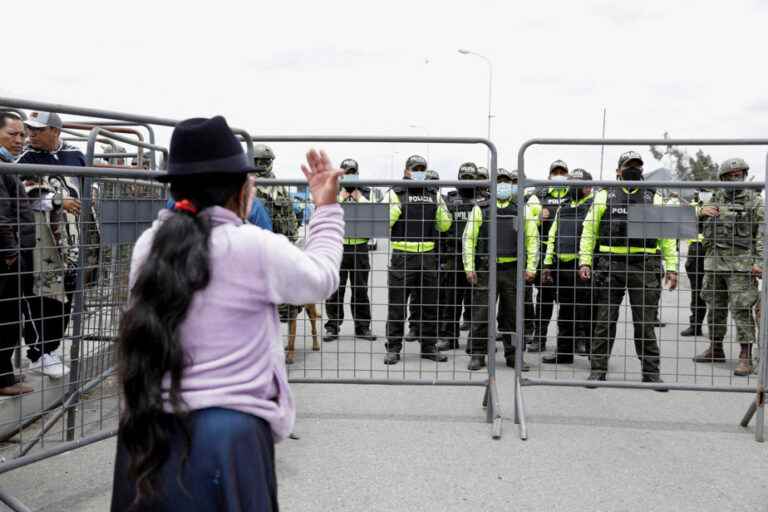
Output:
x=694 y=69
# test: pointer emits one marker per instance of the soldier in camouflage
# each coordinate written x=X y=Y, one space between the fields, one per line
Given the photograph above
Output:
x=279 y=205
x=733 y=249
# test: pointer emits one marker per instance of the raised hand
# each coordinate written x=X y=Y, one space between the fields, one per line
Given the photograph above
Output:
x=322 y=177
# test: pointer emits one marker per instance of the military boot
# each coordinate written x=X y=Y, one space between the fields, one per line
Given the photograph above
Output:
x=714 y=354
x=745 y=361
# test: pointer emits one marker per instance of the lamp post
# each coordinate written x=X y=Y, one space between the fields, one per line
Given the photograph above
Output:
x=490 y=89
x=426 y=132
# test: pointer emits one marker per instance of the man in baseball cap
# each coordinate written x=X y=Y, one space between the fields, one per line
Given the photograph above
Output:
x=44 y=120
x=46 y=148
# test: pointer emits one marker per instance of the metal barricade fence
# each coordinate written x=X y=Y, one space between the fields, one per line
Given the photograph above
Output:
x=117 y=204
x=627 y=237
x=419 y=298
x=60 y=302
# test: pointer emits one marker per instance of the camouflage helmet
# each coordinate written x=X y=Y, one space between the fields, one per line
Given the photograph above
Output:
x=503 y=173
x=263 y=156
x=482 y=173
x=432 y=175
x=415 y=160
x=349 y=165
x=468 y=171
x=733 y=164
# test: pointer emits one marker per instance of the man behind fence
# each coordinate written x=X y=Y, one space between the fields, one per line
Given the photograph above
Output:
x=475 y=254
x=355 y=266
x=733 y=247
x=561 y=268
x=694 y=269
x=543 y=204
x=17 y=239
x=625 y=265
x=416 y=216
x=56 y=207
x=455 y=290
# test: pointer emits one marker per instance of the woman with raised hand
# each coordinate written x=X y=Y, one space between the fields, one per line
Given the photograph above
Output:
x=205 y=396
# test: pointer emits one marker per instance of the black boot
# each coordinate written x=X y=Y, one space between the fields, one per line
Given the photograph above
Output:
x=365 y=334
x=330 y=335
x=692 y=331
x=476 y=362
x=447 y=344
x=392 y=358
x=412 y=335
x=595 y=375
x=539 y=344
x=510 y=360
x=557 y=359
x=581 y=348
x=433 y=354
x=654 y=378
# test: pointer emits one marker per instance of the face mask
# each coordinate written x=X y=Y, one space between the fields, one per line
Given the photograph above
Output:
x=577 y=193
x=6 y=155
x=632 y=174
x=419 y=175
x=505 y=190
x=558 y=177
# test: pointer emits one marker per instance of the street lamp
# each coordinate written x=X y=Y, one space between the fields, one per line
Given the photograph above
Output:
x=426 y=132
x=490 y=89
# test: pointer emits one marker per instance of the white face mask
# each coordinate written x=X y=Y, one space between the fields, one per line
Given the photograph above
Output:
x=558 y=177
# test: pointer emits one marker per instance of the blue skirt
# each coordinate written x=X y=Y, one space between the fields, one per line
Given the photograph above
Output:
x=230 y=467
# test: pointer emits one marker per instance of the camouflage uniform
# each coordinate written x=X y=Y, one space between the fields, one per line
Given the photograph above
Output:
x=733 y=244
x=279 y=205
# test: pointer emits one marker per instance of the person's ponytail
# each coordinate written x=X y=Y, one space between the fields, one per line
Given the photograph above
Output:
x=176 y=267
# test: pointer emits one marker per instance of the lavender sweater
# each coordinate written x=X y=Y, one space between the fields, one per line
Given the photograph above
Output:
x=231 y=334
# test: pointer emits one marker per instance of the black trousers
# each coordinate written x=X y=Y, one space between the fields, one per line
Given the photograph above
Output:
x=455 y=293
x=11 y=305
x=506 y=292
x=694 y=269
x=545 y=304
x=47 y=320
x=637 y=276
x=575 y=314
x=412 y=275
x=355 y=267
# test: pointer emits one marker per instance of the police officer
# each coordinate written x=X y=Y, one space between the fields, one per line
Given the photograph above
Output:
x=561 y=269
x=694 y=269
x=279 y=206
x=733 y=252
x=624 y=265
x=413 y=307
x=355 y=266
x=416 y=216
x=455 y=290
x=544 y=203
x=475 y=255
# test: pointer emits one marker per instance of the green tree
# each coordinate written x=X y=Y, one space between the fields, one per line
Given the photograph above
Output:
x=700 y=167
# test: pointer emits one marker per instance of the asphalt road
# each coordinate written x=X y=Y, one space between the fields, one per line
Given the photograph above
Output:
x=394 y=448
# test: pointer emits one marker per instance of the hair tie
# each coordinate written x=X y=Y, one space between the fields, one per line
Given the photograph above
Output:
x=185 y=205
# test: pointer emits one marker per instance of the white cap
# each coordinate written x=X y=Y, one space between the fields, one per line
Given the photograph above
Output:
x=44 y=120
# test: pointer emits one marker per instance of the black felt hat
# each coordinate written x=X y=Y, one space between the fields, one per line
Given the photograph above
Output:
x=205 y=146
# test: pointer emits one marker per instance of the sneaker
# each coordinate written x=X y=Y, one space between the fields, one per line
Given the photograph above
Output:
x=51 y=366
